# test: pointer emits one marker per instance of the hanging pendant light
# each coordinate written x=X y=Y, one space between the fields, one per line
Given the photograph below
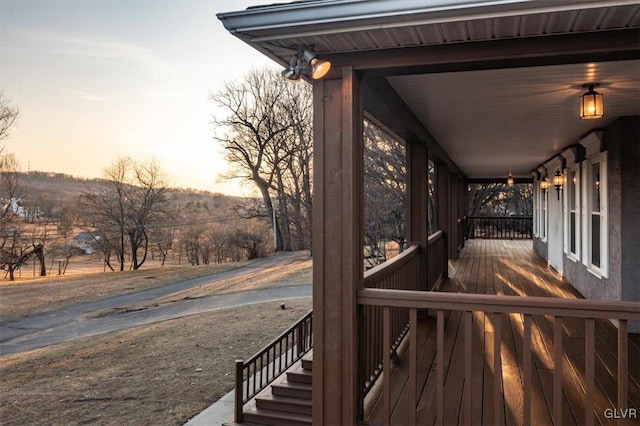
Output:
x=510 y=180
x=591 y=103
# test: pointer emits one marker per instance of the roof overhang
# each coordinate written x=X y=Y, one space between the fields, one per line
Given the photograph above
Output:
x=417 y=48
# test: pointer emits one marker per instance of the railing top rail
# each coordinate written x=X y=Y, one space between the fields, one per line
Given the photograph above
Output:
x=435 y=237
x=280 y=337
x=389 y=266
x=578 y=308
x=499 y=217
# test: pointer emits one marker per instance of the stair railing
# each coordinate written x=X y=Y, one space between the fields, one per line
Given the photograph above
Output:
x=264 y=367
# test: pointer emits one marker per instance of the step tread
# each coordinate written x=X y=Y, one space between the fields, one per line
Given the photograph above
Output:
x=285 y=399
x=259 y=415
x=285 y=404
x=300 y=375
x=292 y=389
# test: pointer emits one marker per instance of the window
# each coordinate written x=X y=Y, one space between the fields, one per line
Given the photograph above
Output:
x=572 y=213
x=594 y=223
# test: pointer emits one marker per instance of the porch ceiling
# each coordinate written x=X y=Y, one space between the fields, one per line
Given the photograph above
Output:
x=491 y=121
x=497 y=116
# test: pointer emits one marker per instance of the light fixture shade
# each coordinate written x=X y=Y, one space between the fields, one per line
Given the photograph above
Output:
x=591 y=104
x=291 y=74
x=558 y=179
x=319 y=67
x=544 y=184
x=510 y=180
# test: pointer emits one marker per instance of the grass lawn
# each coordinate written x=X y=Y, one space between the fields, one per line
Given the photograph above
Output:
x=159 y=374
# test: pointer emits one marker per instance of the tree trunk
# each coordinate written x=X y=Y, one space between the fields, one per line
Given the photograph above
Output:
x=263 y=186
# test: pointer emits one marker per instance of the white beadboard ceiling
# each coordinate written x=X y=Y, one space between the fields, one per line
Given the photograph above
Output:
x=493 y=121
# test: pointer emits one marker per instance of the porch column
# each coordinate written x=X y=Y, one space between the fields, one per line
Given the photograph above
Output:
x=417 y=227
x=464 y=208
x=454 y=215
x=442 y=197
x=337 y=246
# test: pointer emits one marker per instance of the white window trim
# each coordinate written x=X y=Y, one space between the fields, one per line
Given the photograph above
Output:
x=603 y=270
x=567 y=213
x=544 y=208
x=536 y=211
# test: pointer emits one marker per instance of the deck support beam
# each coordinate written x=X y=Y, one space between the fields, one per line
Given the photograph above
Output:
x=337 y=246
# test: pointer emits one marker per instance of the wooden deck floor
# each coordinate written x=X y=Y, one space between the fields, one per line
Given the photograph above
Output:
x=512 y=268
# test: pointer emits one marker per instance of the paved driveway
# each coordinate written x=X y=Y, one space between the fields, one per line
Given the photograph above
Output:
x=77 y=321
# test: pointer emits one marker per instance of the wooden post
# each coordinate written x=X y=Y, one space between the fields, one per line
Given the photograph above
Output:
x=442 y=197
x=454 y=188
x=337 y=247
x=417 y=226
x=442 y=212
x=238 y=397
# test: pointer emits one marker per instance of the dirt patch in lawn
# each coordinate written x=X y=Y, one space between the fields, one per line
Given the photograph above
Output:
x=161 y=374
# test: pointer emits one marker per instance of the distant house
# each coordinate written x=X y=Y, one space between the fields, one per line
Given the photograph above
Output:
x=86 y=241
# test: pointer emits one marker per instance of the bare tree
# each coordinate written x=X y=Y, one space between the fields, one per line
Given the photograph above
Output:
x=267 y=137
x=8 y=115
x=385 y=191
x=252 y=128
x=131 y=202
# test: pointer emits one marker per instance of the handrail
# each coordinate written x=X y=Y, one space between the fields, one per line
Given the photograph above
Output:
x=499 y=217
x=433 y=238
x=505 y=227
x=532 y=305
x=386 y=268
x=255 y=374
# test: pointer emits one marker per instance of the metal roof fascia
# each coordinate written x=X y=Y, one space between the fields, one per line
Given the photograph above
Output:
x=280 y=21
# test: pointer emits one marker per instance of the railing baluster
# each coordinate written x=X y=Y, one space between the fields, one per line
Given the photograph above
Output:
x=386 y=337
x=468 y=364
x=440 y=366
x=413 y=366
x=526 y=367
x=589 y=353
x=622 y=367
x=557 y=370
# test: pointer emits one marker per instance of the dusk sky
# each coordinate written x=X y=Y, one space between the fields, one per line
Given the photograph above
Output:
x=95 y=80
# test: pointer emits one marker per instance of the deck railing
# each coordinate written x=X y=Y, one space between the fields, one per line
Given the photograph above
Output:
x=260 y=370
x=409 y=302
x=512 y=228
x=407 y=271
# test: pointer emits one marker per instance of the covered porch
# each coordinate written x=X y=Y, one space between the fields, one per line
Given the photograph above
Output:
x=453 y=373
x=482 y=90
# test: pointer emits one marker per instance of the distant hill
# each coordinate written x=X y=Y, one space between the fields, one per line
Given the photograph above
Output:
x=50 y=191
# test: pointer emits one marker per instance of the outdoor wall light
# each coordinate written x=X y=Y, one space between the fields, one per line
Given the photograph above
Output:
x=510 y=180
x=292 y=72
x=306 y=62
x=591 y=103
x=557 y=182
x=544 y=184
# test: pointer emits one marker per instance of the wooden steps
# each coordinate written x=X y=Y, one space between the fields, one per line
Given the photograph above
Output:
x=287 y=401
